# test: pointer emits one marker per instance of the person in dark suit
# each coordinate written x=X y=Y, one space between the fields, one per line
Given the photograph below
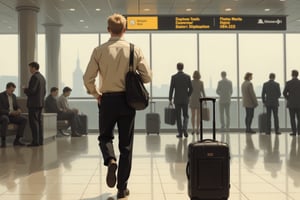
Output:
x=270 y=95
x=35 y=92
x=182 y=85
x=11 y=113
x=292 y=95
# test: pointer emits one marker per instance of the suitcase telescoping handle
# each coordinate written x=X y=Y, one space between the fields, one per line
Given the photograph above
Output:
x=213 y=118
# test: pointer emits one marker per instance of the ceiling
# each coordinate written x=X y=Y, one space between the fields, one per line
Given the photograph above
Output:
x=86 y=19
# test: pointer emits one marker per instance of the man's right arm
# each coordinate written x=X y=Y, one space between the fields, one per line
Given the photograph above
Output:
x=89 y=77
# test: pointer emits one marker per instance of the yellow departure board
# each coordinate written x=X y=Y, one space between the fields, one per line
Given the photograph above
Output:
x=198 y=22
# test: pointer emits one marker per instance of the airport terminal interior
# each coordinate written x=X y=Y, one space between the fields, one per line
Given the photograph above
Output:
x=236 y=36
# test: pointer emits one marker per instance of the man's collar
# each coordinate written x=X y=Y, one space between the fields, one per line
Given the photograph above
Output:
x=115 y=38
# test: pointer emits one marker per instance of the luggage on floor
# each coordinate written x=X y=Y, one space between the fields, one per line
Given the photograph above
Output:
x=208 y=167
x=262 y=122
x=170 y=115
x=83 y=127
x=152 y=121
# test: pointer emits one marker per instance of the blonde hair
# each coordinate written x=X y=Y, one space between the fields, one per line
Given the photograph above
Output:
x=116 y=23
x=196 y=75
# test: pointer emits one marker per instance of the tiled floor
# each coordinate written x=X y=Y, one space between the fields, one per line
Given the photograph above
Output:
x=262 y=168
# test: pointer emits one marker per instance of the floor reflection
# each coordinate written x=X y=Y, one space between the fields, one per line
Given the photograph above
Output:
x=262 y=166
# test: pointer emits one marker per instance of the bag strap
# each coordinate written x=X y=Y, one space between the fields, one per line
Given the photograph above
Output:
x=131 y=57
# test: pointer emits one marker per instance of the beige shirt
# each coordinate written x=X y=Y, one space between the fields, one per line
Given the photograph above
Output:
x=62 y=103
x=111 y=62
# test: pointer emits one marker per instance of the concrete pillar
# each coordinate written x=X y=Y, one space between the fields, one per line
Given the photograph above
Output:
x=27 y=41
x=52 y=55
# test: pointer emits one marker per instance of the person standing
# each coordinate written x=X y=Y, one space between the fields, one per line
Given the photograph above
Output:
x=111 y=62
x=249 y=101
x=198 y=92
x=10 y=112
x=224 y=90
x=291 y=93
x=35 y=92
x=182 y=84
x=270 y=95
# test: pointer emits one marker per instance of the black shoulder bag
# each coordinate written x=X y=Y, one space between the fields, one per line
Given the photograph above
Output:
x=136 y=94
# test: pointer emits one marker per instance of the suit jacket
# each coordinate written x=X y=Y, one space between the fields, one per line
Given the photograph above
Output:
x=36 y=91
x=4 y=104
x=292 y=93
x=271 y=93
x=51 y=105
x=182 y=85
x=248 y=95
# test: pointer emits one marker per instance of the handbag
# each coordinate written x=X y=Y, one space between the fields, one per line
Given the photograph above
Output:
x=170 y=115
x=205 y=112
x=137 y=95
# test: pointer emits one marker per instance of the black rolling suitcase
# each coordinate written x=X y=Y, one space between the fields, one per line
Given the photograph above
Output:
x=262 y=122
x=208 y=169
x=152 y=121
x=83 y=129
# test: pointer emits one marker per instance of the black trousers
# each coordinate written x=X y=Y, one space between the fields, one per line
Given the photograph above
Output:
x=19 y=120
x=249 y=118
x=36 y=125
x=273 y=109
x=295 y=113
x=4 y=123
x=70 y=116
x=114 y=110
x=181 y=125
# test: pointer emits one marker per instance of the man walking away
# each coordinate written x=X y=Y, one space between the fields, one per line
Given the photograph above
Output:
x=111 y=62
x=182 y=84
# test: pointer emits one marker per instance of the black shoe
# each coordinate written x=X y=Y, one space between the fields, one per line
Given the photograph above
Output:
x=32 y=145
x=18 y=143
x=179 y=136
x=185 y=133
x=111 y=174
x=250 y=131
x=75 y=135
x=3 y=144
x=122 y=193
x=292 y=134
x=268 y=133
x=278 y=133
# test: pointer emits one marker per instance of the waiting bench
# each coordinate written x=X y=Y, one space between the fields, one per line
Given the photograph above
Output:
x=50 y=128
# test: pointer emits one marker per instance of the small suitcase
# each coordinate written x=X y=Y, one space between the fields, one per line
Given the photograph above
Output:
x=208 y=169
x=262 y=122
x=152 y=121
x=83 y=129
x=170 y=115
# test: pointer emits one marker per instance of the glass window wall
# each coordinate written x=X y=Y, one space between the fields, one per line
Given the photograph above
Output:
x=76 y=50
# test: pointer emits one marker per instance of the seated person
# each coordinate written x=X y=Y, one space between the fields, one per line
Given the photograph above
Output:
x=10 y=112
x=63 y=105
x=51 y=107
